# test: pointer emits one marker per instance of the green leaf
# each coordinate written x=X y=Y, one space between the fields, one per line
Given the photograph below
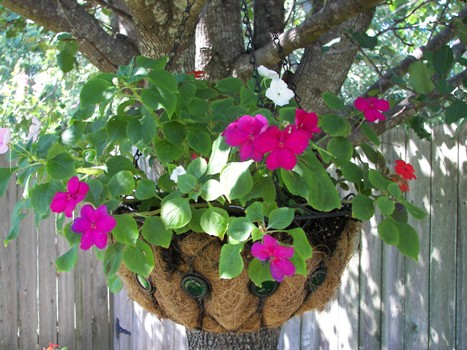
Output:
x=139 y=259
x=409 y=244
x=368 y=131
x=240 y=229
x=443 y=59
x=155 y=99
x=5 y=175
x=96 y=91
x=231 y=261
x=197 y=167
x=219 y=156
x=280 y=218
x=377 y=180
x=385 y=205
x=301 y=244
x=236 y=180
x=362 y=208
x=126 y=231
x=67 y=261
x=254 y=212
x=341 y=148
x=122 y=183
x=164 y=80
x=334 y=125
x=200 y=141
x=388 y=231
x=259 y=272
x=118 y=163
x=145 y=189
x=174 y=132
x=41 y=197
x=332 y=101
x=413 y=210
x=364 y=40
x=211 y=190
x=167 y=152
x=154 y=232
x=394 y=190
x=176 y=213
x=115 y=285
x=214 y=221
x=186 y=183
x=299 y=263
x=229 y=85
x=65 y=60
x=461 y=30
x=113 y=258
x=151 y=63
x=420 y=77
x=19 y=214
x=351 y=171
x=456 y=111
x=61 y=167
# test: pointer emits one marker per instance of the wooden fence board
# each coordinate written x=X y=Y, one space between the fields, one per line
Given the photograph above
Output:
x=443 y=242
x=8 y=273
x=123 y=312
x=416 y=327
x=461 y=315
x=27 y=284
x=47 y=284
x=83 y=302
x=102 y=331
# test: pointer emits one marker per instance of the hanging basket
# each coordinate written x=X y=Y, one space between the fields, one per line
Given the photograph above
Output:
x=185 y=286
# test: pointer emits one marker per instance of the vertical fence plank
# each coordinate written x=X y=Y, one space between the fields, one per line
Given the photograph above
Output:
x=65 y=302
x=443 y=241
x=101 y=329
x=370 y=288
x=392 y=323
x=461 y=307
x=290 y=334
x=47 y=281
x=27 y=284
x=418 y=273
x=83 y=301
x=123 y=312
x=8 y=273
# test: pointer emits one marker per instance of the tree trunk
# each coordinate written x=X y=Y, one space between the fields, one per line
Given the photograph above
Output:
x=265 y=339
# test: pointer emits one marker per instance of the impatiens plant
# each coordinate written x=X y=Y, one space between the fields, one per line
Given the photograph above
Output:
x=150 y=155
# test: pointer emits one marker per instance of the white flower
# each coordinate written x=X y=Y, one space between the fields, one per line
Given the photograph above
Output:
x=176 y=173
x=34 y=129
x=5 y=137
x=279 y=93
x=267 y=73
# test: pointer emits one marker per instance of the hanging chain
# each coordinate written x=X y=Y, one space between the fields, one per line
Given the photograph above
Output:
x=288 y=74
x=251 y=49
x=179 y=36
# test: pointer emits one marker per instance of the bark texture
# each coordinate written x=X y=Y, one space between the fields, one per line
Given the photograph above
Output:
x=266 y=339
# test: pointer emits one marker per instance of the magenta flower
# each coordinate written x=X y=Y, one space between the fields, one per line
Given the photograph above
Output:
x=277 y=255
x=372 y=108
x=242 y=133
x=94 y=224
x=284 y=145
x=67 y=201
x=5 y=136
x=306 y=122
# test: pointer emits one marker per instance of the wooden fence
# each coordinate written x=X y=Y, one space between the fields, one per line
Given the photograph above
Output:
x=386 y=301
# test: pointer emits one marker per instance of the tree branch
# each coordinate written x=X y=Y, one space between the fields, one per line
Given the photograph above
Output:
x=105 y=52
x=404 y=111
x=308 y=32
x=434 y=44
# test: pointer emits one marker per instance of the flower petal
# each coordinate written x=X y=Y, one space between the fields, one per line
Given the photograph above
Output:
x=295 y=141
x=59 y=202
x=284 y=266
x=87 y=240
x=72 y=185
x=87 y=212
x=268 y=140
x=281 y=158
x=81 y=225
x=259 y=251
x=381 y=105
x=283 y=252
x=100 y=240
x=361 y=104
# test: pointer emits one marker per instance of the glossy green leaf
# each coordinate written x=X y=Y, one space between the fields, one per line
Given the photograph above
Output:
x=259 y=272
x=122 y=183
x=420 y=77
x=364 y=40
x=67 y=261
x=174 y=132
x=96 y=91
x=301 y=244
x=377 y=180
x=254 y=212
x=334 y=125
x=332 y=101
x=385 y=205
x=231 y=261
x=211 y=190
x=154 y=232
x=456 y=111
x=61 y=167
x=164 y=80
x=113 y=258
x=167 y=152
x=443 y=59
x=41 y=197
x=236 y=179
x=362 y=208
x=200 y=141
x=176 y=213
x=139 y=259
x=145 y=189
x=341 y=148
x=409 y=244
x=280 y=218
x=126 y=231
x=219 y=156
x=215 y=221
x=370 y=133
x=388 y=231
x=240 y=229
x=415 y=211
x=5 y=175
x=186 y=183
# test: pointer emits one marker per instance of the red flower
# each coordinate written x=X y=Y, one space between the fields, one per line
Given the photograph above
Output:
x=198 y=74
x=405 y=170
x=372 y=108
x=403 y=184
x=306 y=122
x=67 y=201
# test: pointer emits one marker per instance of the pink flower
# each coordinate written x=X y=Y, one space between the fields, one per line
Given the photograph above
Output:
x=5 y=136
x=405 y=170
x=306 y=122
x=94 y=224
x=372 y=108
x=284 y=145
x=67 y=201
x=242 y=133
x=277 y=255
